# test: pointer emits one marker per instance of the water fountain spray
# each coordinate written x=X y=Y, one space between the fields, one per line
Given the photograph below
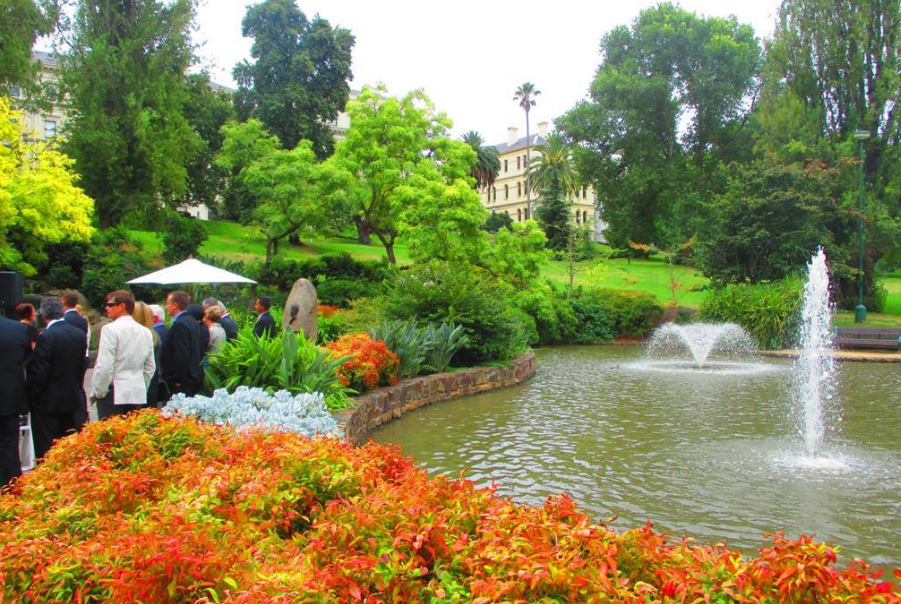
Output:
x=814 y=371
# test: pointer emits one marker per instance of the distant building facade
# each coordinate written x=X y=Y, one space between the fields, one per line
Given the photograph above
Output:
x=45 y=123
x=509 y=193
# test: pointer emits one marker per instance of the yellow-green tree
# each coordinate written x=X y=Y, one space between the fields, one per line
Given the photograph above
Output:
x=40 y=202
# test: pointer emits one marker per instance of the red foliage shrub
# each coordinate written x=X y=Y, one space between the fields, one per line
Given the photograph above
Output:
x=327 y=310
x=372 y=364
x=149 y=509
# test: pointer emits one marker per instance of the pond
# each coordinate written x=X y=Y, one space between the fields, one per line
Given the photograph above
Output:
x=712 y=455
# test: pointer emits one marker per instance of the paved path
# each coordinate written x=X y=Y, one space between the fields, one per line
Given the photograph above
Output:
x=866 y=356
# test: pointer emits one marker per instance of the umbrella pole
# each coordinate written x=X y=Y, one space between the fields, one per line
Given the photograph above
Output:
x=191 y=292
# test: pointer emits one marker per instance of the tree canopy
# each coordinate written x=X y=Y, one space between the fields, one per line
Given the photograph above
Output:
x=22 y=22
x=297 y=82
x=124 y=76
x=40 y=202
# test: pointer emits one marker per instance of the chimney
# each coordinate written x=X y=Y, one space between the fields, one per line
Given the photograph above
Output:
x=512 y=135
x=542 y=129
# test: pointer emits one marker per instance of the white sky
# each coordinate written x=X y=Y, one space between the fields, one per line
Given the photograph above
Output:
x=469 y=56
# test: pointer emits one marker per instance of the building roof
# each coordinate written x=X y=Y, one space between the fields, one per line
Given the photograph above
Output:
x=216 y=87
x=47 y=58
x=536 y=139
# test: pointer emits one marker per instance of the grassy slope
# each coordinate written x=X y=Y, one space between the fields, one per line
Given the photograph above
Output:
x=235 y=242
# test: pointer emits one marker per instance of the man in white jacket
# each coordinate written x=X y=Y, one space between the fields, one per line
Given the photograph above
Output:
x=125 y=362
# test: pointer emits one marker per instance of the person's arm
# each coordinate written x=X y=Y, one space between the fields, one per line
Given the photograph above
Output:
x=149 y=364
x=105 y=365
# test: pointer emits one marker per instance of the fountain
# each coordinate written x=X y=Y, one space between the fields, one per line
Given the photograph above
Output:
x=814 y=371
x=721 y=348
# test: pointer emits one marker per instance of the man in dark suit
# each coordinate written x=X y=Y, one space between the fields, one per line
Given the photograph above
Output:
x=182 y=353
x=229 y=325
x=72 y=316
x=55 y=377
x=265 y=325
x=15 y=348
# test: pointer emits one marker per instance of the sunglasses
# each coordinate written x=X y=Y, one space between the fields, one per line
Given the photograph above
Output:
x=111 y=304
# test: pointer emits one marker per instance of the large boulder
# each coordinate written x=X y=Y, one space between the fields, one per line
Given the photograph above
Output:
x=300 y=309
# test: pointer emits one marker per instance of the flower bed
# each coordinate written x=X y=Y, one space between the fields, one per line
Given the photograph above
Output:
x=154 y=509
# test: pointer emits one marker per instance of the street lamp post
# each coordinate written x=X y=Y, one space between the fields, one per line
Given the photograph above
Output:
x=860 y=311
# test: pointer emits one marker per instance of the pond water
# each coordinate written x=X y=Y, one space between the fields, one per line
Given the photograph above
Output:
x=715 y=455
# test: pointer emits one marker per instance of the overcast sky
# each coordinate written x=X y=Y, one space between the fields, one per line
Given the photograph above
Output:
x=469 y=56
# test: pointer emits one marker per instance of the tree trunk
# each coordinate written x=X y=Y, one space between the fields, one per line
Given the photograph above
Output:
x=364 y=232
x=528 y=177
x=389 y=248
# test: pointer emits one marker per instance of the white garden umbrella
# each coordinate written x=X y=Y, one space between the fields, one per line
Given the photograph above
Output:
x=190 y=271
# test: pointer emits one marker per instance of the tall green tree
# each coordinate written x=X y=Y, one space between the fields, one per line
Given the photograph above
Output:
x=124 y=76
x=526 y=94
x=297 y=82
x=488 y=163
x=553 y=174
x=406 y=173
x=207 y=110
x=22 y=22
x=833 y=68
x=243 y=144
x=671 y=94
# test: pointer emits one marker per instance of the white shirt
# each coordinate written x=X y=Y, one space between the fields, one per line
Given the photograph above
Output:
x=125 y=361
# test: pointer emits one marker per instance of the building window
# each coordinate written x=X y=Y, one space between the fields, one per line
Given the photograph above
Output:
x=495 y=192
x=584 y=216
x=505 y=165
x=519 y=189
x=49 y=129
x=506 y=191
x=14 y=92
x=519 y=215
x=528 y=214
x=518 y=167
x=584 y=192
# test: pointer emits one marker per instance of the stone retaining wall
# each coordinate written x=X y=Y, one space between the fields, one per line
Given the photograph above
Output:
x=384 y=404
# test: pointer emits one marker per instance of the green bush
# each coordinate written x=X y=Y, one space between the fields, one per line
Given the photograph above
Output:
x=555 y=321
x=183 y=238
x=441 y=344
x=329 y=329
x=769 y=311
x=290 y=363
x=593 y=323
x=113 y=259
x=367 y=274
x=341 y=292
x=633 y=314
x=444 y=293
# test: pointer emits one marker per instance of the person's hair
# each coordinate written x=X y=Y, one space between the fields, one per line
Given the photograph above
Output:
x=70 y=298
x=180 y=298
x=265 y=302
x=143 y=315
x=213 y=313
x=24 y=311
x=121 y=296
x=158 y=313
x=52 y=308
x=208 y=302
x=196 y=311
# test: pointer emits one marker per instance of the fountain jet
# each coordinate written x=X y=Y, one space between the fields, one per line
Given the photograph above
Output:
x=701 y=339
x=814 y=371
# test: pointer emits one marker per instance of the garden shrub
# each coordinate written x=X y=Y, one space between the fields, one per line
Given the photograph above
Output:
x=555 y=321
x=465 y=295
x=341 y=292
x=406 y=341
x=370 y=365
x=114 y=258
x=183 y=238
x=770 y=312
x=633 y=314
x=330 y=327
x=339 y=278
x=143 y=508
x=247 y=408
x=593 y=323
x=289 y=362
x=441 y=344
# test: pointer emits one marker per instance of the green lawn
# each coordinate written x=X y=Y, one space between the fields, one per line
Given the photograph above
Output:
x=236 y=242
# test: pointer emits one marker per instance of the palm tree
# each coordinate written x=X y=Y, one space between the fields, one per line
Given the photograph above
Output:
x=553 y=174
x=488 y=164
x=524 y=95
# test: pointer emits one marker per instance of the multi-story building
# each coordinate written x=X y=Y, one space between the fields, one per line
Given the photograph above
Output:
x=47 y=122
x=509 y=193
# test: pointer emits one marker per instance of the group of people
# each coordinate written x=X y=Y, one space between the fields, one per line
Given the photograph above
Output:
x=140 y=362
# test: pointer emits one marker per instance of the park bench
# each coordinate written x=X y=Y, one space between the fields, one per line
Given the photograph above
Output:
x=880 y=338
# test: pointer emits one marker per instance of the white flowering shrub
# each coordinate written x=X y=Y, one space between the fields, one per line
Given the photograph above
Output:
x=255 y=408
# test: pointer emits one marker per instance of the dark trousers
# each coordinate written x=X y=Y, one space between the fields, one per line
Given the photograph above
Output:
x=106 y=408
x=81 y=416
x=10 y=466
x=47 y=427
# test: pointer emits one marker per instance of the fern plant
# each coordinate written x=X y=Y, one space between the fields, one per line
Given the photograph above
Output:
x=442 y=343
x=290 y=363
